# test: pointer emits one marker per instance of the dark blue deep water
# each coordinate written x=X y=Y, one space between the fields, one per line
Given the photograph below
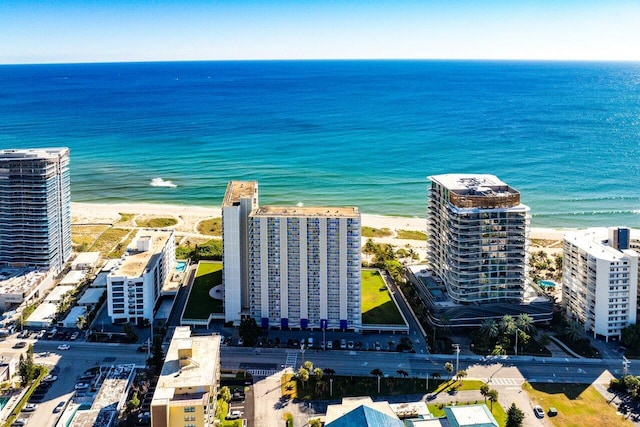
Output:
x=363 y=133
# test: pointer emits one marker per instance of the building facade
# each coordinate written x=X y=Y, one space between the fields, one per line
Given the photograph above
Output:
x=134 y=286
x=478 y=238
x=304 y=267
x=187 y=389
x=239 y=200
x=600 y=279
x=35 y=208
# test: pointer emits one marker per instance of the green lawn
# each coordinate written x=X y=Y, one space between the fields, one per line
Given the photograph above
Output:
x=211 y=226
x=156 y=222
x=377 y=306
x=577 y=404
x=200 y=304
x=411 y=235
x=375 y=232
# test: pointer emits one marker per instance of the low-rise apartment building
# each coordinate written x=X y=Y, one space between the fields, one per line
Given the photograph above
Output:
x=186 y=391
x=134 y=286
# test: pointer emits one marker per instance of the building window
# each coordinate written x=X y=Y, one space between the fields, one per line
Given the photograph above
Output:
x=190 y=418
x=189 y=409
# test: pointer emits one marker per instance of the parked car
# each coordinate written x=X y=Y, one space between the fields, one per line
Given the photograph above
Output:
x=82 y=386
x=59 y=407
x=19 y=422
x=40 y=334
x=329 y=345
x=74 y=336
x=240 y=342
x=343 y=343
x=552 y=412
x=377 y=346
x=350 y=345
x=21 y=344
x=309 y=342
x=234 y=415
x=64 y=347
x=538 y=411
x=49 y=378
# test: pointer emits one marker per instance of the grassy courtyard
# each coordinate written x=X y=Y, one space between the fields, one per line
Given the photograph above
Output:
x=577 y=405
x=377 y=306
x=200 y=304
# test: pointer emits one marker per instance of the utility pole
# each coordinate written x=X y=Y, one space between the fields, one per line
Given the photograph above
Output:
x=625 y=365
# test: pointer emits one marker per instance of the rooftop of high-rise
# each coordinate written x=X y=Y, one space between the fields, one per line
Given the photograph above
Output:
x=298 y=211
x=146 y=247
x=238 y=190
x=28 y=153
x=478 y=191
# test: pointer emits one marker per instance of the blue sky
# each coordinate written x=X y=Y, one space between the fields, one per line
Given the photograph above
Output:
x=119 y=30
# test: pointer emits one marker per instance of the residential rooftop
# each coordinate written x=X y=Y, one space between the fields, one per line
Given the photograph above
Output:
x=147 y=246
x=478 y=191
x=238 y=190
x=19 y=280
x=32 y=153
x=596 y=241
x=297 y=211
x=181 y=371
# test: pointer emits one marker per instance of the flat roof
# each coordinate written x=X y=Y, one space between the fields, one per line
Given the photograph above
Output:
x=73 y=277
x=44 y=312
x=31 y=153
x=202 y=369
x=57 y=293
x=91 y=296
x=595 y=241
x=86 y=258
x=72 y=317
x=136 y=262
x=19 y=280
x=471 y=415
x=237 y=190
x=462 y=181
x=296 y=211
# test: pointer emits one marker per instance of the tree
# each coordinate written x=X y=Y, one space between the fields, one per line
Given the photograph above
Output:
x=369 y=247
x=461 y=374
x=402 y=373
x=484 y=391
x=574 y=331
x=249 y=331
x=127 y=328
x=490 y=328
x=448 y=367
x=493 y=396
x=436 y=376
x=507 y=324
x=318 y=373
x=157 y=354
x=303 y=375
x=134 y=402
x=515 y=416
x=308 y=365
x=329 y=372
x=315 y=422
x=377 y=373
x=225 y=394
x=525 y=323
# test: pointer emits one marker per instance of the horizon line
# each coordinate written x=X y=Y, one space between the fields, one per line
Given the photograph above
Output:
x=538 y=60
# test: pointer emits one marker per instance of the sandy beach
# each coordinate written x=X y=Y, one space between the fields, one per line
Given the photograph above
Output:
x=189 y=216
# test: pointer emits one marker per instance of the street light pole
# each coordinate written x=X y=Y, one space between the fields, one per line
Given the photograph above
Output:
x=457 y=348
x=625 y=365
x=517 y=341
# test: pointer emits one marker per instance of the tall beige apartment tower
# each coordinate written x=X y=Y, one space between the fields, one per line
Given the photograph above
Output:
x=478 y=236
x=35 y=208
x=239 y=200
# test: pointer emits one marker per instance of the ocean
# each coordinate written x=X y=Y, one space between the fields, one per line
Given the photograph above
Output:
x=355 y=133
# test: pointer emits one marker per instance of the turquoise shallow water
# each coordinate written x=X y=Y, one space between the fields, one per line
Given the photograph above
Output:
x=363 y=133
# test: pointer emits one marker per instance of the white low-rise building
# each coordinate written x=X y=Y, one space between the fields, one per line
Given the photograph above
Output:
x=600 y=279
x=85 y=261
x=134 y=286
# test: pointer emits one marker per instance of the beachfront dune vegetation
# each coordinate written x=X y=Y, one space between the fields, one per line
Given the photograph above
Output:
x=198 y=250
x=84 y=236
x=155 y=221
x=375 y=232
x=410 y=235
x=210 y=226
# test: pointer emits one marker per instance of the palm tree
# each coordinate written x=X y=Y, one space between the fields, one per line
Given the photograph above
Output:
x=525 y=323
x=402 y=373
x=448 y=367
x=461 y=374
x=369 y=247
x=484 y=391
x=436 y=376
x=318 y=373
x=377 y=373
x=490 y=328
x=493 y=396
x=574 y=331
x=303 y=375
x=329 y=372
x=507 y=324
x=308 y=365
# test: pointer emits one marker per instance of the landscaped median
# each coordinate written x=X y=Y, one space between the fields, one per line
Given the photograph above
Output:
x=201 y=304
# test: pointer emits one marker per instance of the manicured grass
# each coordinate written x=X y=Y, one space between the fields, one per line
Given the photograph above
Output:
x=376 y=232
x=377 y=306
x=211 y=226
x=411 y=235
x=459 y=385
x=108 y=240
x=200 y=304
x=156 y=222
x=577 y=404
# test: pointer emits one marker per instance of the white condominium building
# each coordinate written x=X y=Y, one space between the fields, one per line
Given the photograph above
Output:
x=304 y=267
x=35 y=208
x=239 y=200
x=134 y=286
x=187 y=388
x=478 y=236
x=600 y=279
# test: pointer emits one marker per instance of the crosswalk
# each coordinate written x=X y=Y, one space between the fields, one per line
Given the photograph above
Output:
x=292 y=358
x=505 y=381
x=261 y=372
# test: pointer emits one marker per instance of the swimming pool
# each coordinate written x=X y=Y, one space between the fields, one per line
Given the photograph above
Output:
x=180 y=266
x=3 y=402
x=547 y=284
